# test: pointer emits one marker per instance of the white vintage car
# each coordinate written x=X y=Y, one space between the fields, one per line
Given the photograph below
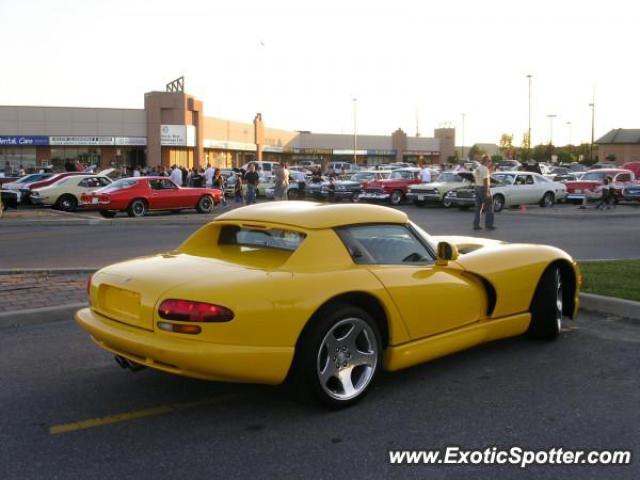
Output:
x=512 y=189
x=65 y=193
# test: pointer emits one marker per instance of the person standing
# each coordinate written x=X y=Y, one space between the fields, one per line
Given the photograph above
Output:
x=176 y=175
x=282 y=183
x=136 y=172
x=208 y=175
x=7 y=169
x=237 y=187
x=425 y=174
x=218 y=183
x=251 y=179
x=484 y=200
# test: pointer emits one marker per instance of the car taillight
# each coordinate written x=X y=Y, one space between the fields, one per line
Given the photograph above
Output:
x=187 y=311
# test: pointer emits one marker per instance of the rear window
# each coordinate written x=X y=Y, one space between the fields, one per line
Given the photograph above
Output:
x=120 y=185
x=255 y=238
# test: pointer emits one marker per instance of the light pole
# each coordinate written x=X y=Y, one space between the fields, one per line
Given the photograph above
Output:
x=551 y=116
x=593 y=124
x=529 y=129
x=569 y=126
x=355 y=141
x=462 y=146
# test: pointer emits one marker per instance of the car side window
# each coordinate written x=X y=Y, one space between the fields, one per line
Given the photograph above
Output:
x=84 y=183
x=103 y=181
x=624 y=177
x=384 y=244
x=167 y=185
x=521 y=180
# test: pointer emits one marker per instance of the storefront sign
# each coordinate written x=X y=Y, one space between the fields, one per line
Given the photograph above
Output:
x=420 y=152
x=222 y=145
x=381 y=152
x=173 y=135
x=191 y=136
x=81 y=140
x=349 y=152
x=22 y=140
x=272 y=149
x=131 y=141
x=313 y=151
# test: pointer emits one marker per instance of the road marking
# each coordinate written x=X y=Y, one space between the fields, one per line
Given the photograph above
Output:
x=135 y=414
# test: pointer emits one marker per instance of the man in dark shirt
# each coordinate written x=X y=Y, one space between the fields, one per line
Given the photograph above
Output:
x=251 y=180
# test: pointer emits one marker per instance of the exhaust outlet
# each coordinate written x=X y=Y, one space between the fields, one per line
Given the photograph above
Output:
x=128 y=364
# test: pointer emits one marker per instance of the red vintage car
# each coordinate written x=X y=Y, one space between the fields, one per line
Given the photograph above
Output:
x=138 y=195
x=591 y=183
x=393 y=189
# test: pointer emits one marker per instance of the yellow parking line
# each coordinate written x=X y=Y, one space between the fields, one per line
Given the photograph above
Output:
x=135 y=414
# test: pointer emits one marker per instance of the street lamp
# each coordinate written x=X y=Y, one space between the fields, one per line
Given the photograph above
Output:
x=462 y=146
x=569 y=125
x=529 y=130
x=593 y=123
x=551 y=116
x=355 y=141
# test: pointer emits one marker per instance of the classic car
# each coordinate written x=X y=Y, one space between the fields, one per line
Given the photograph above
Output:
x=138 y=195
x=23 y=184
x=64 y=194
x=325 y=295
x=511 y=189
x=435 y=192
x=392 y=189
x=350 y=189
x=631 y=192
x=590 y=184
x=295 y=190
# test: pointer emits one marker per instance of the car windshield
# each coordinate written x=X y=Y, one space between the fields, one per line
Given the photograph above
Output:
x=449 y=177
x=250 y=239
x=595 y=176
x=359 y=177
x=31 y=178
x=503 y=177
x=401 y=174
x=120 y=185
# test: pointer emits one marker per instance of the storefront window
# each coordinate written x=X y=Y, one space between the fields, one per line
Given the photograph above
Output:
x=84 y=155
x=17 y=157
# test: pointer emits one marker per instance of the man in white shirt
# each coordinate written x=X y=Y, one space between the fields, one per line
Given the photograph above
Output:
x=484 y=200
x=136 y=172
x=208 y=175
x=176 y=175
x=425 y=174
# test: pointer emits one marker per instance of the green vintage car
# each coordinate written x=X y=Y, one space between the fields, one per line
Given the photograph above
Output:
x=435 y=192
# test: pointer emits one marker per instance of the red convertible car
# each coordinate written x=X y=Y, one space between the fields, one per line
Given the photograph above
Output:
x=591 y=183
x=393 y=189
x=138 y=195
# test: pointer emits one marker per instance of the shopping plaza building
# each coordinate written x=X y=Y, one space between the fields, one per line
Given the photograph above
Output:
x=172 y=129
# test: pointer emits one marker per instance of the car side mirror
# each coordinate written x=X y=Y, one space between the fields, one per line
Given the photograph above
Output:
x=446 y=253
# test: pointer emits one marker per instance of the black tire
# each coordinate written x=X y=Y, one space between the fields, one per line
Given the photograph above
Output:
x=547 y=305
x=548 y=200
x=205 y=204
x=355 y=198
x=292 y=194
x=396 y=197
x=137 y=208
x=419 y=203
x=66 y=203
x=108 y=213
x=447 y=203
x=498 y=203
x=313 y=357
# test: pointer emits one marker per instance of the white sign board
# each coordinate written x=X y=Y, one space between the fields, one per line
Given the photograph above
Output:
x=81 y=140
x=173 y=135
x=222 y=145
x=191 y=136
x=131 y=141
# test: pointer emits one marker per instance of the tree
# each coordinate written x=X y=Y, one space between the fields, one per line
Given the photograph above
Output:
x=475 y=150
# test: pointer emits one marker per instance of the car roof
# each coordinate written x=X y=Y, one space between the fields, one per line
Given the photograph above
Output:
x=312 y=215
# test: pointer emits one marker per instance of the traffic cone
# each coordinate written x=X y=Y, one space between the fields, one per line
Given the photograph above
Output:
x=523 y=208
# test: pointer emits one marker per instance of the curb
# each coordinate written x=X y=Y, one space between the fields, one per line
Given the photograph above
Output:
x=610 y=306
x=39 y=316
x=17 y=271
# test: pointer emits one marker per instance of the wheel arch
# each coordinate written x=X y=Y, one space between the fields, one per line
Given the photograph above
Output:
x=569 y=279
x=146 y=202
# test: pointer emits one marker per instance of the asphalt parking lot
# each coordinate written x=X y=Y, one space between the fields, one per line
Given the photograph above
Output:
x=71 y=241
x=67 y=411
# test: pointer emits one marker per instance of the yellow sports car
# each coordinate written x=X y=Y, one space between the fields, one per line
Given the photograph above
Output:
x=324 y=295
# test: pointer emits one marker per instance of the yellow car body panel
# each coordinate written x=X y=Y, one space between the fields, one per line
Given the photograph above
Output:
x=430 y=310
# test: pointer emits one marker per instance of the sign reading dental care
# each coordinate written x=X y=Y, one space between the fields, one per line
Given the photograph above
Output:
x=81 y=140
x=24 y=140
x=131 y=141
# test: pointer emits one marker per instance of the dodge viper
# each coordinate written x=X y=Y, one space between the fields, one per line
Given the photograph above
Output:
x=324 y=296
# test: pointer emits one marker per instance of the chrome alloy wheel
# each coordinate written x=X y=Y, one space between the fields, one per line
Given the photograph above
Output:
x=558 y=282
x=347 y=359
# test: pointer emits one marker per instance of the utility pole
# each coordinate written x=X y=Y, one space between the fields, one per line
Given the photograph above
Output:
x=593 y=122
x=551 y=116
x=569 y=125
x=529 y=129
x=462 y=146
x=355 y=141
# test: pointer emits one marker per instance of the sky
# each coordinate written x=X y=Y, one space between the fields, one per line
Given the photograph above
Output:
x=302 y=63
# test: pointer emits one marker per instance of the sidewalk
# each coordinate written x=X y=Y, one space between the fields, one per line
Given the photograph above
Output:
x=26 y=291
